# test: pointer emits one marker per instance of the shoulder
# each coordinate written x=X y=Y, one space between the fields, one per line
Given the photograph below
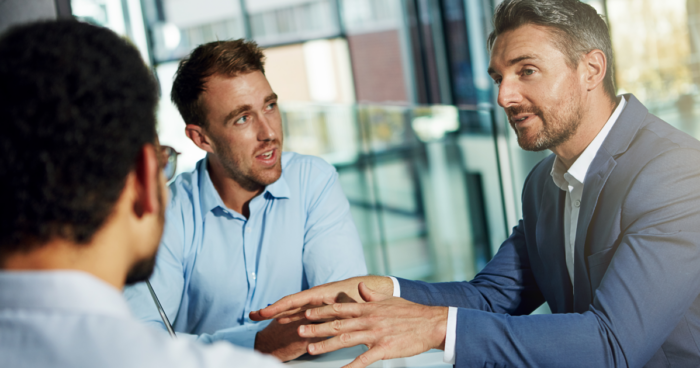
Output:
x=295 y=162
x=658 y=144
x=305 y=170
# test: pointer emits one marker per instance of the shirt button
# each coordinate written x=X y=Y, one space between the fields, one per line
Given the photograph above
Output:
x=248 y=229
x=252 y=275
x=577 y=204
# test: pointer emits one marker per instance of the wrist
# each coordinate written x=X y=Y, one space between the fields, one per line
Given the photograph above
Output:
x=439 y=323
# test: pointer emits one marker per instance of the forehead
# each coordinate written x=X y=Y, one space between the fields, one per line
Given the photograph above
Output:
x=531 y=40
x=243 y=88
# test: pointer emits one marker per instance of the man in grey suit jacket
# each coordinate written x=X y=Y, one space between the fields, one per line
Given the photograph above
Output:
x=609 y=236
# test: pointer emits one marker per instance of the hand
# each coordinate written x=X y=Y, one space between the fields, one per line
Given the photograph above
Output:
x=390 y=327
x=291 y=308
x=282 y=341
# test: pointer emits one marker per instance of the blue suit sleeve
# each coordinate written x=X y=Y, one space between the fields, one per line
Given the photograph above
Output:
x=332 y=247
x=505 y=285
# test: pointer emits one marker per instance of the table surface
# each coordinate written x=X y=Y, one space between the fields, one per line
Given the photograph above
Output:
x=337 y=359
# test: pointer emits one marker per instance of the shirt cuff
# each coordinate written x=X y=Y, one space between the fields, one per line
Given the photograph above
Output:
x=450 y=337
x=397 y=287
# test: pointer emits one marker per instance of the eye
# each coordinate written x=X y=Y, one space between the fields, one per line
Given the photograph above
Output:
x=271 y=106
x=497 y=82
x=528 y=72
x=242 y=120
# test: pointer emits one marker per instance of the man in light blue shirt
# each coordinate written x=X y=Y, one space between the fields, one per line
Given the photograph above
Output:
x=250 y=224
x=82 y=205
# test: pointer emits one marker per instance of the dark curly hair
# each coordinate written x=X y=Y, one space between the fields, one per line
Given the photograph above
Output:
x=577 y=26
x=77 y=103
x=228 y=58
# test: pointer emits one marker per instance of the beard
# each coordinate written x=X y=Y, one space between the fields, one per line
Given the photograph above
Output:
x=556 y=128
x=250 y=181
x=143 y=269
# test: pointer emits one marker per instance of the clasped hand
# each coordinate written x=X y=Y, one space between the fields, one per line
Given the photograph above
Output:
x=390 y=327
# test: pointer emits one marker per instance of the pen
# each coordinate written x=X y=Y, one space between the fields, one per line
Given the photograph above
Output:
x=160 y=310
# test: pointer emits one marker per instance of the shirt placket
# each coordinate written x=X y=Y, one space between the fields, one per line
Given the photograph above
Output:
x=251 y=240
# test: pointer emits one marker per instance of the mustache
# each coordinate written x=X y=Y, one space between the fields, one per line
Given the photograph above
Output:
x=516 y=110
x=275 y=143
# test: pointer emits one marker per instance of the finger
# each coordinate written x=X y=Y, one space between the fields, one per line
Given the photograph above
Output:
x=370 y=295
x=301 y=314
x=332 y=328
x=345 y=340
x=291 y=304
x=334 y=311
x=368 y=357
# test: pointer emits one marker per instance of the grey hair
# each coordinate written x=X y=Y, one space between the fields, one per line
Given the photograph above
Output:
x=578 y=28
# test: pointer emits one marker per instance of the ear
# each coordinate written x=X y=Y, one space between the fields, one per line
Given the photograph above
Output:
x=595 y=65
x=198 y=135
x=148 y=177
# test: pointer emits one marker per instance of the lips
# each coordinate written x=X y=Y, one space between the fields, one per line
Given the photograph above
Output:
x=268 y=157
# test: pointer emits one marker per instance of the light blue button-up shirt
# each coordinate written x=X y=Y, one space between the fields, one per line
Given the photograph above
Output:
x=214 y=266
x=71 y=319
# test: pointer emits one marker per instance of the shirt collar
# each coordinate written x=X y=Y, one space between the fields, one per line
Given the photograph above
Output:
x=210 y=198
x=578 y=170
x=72 y=291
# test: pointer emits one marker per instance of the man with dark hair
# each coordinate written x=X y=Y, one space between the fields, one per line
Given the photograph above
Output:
x=82 y=211
x=609 y=234
x=250 y=224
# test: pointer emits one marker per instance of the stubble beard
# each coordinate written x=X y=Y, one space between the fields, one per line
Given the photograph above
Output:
x=556 y=129
x=252 y=181
x=143 y=269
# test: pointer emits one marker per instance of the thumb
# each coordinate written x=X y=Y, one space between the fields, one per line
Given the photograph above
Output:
x=370 y=295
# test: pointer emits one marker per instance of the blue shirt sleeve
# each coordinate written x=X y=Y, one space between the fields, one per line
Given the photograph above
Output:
x=332 y=247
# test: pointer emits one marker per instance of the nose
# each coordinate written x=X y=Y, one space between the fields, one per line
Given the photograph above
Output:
x=266 y=131
x=508 y=93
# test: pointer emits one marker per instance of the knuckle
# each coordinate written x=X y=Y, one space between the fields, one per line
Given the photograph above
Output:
x=337 y=307
x=344 y=338
x=364 y=359
x=336 y=325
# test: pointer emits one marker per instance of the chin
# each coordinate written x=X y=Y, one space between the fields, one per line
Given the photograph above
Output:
x=270 y=176
x=141 y=271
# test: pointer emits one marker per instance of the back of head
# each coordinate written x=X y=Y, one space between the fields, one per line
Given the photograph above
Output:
x=577 y=27
x=77 y=105
x=227 y=58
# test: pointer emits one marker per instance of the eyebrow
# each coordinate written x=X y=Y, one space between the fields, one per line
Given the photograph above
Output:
x=237 y=111
x=243 y=108
x=514 y=61
x=272 y=96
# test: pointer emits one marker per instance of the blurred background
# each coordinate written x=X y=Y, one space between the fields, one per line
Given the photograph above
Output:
x=395 y=94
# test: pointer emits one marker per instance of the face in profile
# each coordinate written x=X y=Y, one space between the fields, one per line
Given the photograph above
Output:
x=143 y=269
x=245 y=128
x=540 y=92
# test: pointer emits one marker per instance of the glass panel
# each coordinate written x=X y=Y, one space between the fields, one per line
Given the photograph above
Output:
x=275 y=22
x=656 y=56
x=179 y=26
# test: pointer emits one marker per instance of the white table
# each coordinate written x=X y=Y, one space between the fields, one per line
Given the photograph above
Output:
x=337 y=359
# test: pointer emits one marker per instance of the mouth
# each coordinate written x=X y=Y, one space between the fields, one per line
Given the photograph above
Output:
x=268 y=157
x=521 y=119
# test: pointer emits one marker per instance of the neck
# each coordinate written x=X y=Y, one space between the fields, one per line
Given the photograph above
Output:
x=58 y=254
x=234 y=195
x=596 y=114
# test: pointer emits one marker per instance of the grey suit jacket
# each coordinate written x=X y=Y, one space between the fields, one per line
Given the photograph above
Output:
x=637 y=264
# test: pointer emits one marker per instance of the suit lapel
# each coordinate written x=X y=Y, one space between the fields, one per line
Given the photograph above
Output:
x=598 y=173
x=616 y=143
x=550 y=245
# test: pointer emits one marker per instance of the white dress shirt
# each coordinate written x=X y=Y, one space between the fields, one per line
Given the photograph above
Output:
x=72 y=319
x=571 y=182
